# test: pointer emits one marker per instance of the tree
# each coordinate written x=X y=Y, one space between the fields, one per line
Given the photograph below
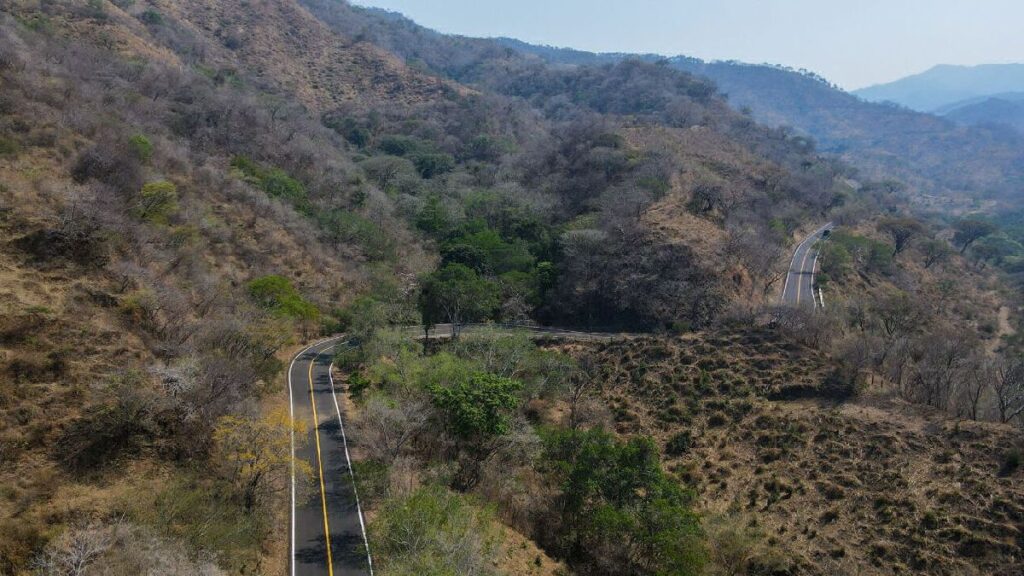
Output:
x=899 y=313
x=476 y=411
x=901 y=230
x=619 y=512
x=156 y=201
x=455 y=294
x=387 y=425
x=1008 y=387
x=276 y=293
x=256 y=453
x=385 y=170
x=970 y=230
x=478 y=408
x=934 y=251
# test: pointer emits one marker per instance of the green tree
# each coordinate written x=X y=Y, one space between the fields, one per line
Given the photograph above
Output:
x=901 y=230
x=970 y=230
x=276 y=293
x=455 y=294
x=934 y=251
x=620 y=513
x=156 y=201
x=478 y=408
x=430 y=165
x=142 y=147
x=476 y=411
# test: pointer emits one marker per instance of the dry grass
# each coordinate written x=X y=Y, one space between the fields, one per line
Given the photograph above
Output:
x=868 y=486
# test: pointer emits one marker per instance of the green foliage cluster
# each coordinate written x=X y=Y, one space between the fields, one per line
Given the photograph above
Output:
x=277 y=294
x=142 y=147
x=347 y=227
x=275 y=182
x=351 y=129
x=844 y=253
x=340 y=225
x=429 y=162
x=8 y=147
x=435 y=531
x=456 y=294
x=620 y=512
x=478 y=407
x=157 y=201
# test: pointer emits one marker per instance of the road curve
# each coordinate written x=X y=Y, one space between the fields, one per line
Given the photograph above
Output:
x=328 y=535
x=799 y=287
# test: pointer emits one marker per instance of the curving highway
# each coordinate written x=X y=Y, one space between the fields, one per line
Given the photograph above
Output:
x=328 y=534
x=799 y=289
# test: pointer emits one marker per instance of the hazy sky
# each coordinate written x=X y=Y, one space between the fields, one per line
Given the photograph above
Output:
x=853 y=42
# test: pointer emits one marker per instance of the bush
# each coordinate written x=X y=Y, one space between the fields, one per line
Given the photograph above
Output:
x=142 y=147
x=157 y=201
x=152 y=18
x=79 y=239
x=121 y=426
x=620 y=513
x=478 y=408
x=398 y=145
x=679 y=444
x=430 y=165
x=434 y=531
x=8 y=147
x=1011 y=463
x=348 y=227
x=276 y=293
x=275 y=182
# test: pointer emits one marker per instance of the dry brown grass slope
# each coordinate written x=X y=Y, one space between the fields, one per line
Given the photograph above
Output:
x=864 y=486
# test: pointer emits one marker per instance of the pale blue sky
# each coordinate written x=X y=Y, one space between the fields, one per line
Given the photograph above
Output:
x=853 y=42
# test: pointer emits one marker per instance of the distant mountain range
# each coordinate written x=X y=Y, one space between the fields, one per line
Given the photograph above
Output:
x=1001 y=109
x=946 y=85
x=966 y=152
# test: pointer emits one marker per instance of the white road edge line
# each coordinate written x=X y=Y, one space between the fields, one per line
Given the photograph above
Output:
x=291 y=417
x=785 y=286
x=814 y=266
x=348 y=460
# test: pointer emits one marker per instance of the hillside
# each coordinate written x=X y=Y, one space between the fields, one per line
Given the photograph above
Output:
x=193 y=190
x=1003 y=111
x=796 y=481
x=192 y=187
x=152 y=289
x=932 y=155
x=944 y=85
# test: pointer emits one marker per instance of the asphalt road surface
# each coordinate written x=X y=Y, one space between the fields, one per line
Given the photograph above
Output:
x=327 y=532
x=799 y=288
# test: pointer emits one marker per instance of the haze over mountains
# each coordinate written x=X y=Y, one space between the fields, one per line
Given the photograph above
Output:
x=946 y=85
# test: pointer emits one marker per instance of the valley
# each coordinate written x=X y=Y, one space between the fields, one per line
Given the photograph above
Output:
x=303 y=287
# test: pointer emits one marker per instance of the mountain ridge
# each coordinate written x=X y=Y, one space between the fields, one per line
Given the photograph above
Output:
x=946 y=84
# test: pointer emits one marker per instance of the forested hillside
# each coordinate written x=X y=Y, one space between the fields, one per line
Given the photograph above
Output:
x=190 y=189
x=936 y=157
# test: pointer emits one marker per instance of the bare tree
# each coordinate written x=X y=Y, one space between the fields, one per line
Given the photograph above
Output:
x=386 y=426
x=1008 y=388
x=74 y=552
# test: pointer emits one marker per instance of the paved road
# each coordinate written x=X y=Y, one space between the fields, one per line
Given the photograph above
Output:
x=327 y=531
x=445 y=331
x=799 y=288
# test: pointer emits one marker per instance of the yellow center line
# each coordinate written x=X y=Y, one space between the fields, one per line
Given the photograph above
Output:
x=320 y=466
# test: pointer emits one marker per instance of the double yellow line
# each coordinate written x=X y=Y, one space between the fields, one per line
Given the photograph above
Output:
x=320 y=466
